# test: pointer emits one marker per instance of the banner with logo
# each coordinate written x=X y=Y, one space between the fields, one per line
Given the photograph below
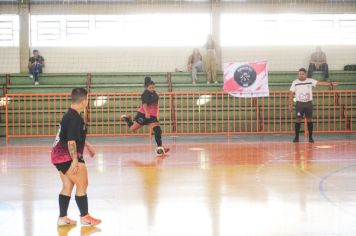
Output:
x=248 y=79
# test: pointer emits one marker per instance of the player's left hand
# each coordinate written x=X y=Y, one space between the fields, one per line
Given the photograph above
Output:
x=290 y=107
x=334 y=83
x=90 y=149
x=74 y=167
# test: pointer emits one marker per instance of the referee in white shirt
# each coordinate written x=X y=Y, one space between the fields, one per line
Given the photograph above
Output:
x=302 y=89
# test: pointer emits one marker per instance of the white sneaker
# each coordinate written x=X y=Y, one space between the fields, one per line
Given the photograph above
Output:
x=160 y=151
x=62 y=221
x=37 y=83
x=207 y=82
x=194 y=82
x=216 y=82
x=124 y=116
x=30 y=76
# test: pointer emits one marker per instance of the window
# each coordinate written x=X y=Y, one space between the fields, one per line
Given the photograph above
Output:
x=248 y=29
x=347 y=28
x=287 y=29
x=9 y=31
x=292 y=29
x=139 y=30
x=48 y=30
x=78 y=29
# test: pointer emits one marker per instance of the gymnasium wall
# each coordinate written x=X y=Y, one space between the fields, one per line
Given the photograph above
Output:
x=75 y=59
x=64 y=60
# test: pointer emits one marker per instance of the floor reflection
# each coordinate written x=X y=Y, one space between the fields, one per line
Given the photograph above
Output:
x=84 y=230
x=209 y=189
x=150 y=174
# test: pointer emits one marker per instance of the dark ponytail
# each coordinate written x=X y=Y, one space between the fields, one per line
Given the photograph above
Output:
x=148 y=81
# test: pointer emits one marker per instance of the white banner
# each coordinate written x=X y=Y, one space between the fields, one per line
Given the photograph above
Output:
x=246 y=79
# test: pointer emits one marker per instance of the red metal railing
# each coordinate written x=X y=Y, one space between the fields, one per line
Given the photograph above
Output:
x=35 y=115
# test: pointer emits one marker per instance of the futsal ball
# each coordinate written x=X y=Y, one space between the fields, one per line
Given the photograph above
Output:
x=159 y=151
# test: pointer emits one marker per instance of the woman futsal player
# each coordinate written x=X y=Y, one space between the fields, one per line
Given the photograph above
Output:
x=67 y=156
x=147 y=115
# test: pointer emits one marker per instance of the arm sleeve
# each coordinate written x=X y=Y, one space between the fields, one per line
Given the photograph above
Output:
x=292 y=88
x=145 y=98
x=73 y=130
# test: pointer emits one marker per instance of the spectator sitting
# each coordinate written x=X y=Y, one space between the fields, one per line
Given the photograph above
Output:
x=318 y=62
x=195 y=64
x=35 y=65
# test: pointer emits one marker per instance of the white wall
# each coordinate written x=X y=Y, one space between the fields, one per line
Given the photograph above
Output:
x=113 y=59
x=9 y=60
x=287 y=58
x=66 y=60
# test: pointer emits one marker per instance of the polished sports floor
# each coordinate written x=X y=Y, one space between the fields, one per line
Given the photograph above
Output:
x=254 y=185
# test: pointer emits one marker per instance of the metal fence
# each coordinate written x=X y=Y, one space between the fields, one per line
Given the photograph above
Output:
x=38 y=115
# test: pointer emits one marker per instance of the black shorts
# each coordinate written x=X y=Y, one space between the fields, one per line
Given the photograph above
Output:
x=141 y=119
x=304 y=109
x=64 y=167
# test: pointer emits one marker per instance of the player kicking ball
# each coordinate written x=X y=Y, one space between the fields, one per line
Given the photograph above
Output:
x=147 y=115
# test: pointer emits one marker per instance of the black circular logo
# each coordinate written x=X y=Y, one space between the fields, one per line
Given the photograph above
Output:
x=245 y=76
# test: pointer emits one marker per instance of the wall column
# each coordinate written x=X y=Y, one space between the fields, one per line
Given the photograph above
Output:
x=215 y=29
x=24 y=21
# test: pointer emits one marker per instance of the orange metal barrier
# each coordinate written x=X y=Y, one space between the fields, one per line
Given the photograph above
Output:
x=35 y=115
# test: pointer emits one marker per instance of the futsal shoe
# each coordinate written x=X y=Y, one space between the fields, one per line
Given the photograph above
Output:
x=296 y=140
x=63 y=221
x=311 y=140
x=125 y=117
x=88 y=220
x=160 y=151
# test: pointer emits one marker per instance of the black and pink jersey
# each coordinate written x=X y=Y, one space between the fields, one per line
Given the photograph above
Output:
x=151 y=99
x=72 y=127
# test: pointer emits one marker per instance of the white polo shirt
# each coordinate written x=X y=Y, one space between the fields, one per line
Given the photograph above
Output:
x=303 y=89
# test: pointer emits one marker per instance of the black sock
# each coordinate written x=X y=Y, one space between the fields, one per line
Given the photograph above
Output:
x=63 y=201
x=82 y=203
x=158 y=135
x=128 y=121
x=297 y=129
x=310 y=129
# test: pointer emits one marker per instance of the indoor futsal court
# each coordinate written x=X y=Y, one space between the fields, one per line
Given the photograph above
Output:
x=211 y=185
x=178 y=117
